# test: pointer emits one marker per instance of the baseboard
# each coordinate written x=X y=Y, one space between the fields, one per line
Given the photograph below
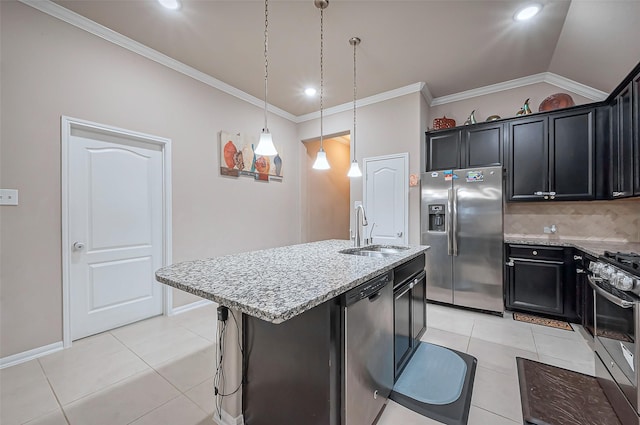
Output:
x=227 y=419
x=188 y=307
x=25 y=356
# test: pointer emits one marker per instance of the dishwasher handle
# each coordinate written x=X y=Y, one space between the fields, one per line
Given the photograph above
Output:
x=374 y=297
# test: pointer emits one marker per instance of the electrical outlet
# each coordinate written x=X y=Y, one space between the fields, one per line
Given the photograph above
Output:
x=8 y=197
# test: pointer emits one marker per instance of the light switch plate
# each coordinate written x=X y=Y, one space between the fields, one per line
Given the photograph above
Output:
x=8 y=197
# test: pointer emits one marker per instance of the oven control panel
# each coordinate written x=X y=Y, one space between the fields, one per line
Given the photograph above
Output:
x=615 y=277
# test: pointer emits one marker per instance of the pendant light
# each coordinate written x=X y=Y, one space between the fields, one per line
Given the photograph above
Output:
x=321 y=162
x=265 y=144
x=354 y=171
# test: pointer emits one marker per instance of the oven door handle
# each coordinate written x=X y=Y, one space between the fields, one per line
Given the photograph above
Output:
x=610 y=297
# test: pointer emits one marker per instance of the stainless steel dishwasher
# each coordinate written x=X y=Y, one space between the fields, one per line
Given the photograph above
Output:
x=368 y=345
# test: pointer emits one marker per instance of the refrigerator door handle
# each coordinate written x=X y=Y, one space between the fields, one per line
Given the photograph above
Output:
x=449 y=224
x=454 y=233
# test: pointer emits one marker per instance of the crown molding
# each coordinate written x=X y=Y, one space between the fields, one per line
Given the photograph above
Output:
x=543 y=77
x=79 y=21
x=575 y=87
x=376 y=98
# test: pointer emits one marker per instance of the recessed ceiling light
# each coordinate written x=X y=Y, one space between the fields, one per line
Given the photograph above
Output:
x=527 y=12
x=310 y=91
x=170 y=4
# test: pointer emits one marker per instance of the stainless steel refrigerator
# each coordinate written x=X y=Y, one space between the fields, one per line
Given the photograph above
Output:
x=461 y=219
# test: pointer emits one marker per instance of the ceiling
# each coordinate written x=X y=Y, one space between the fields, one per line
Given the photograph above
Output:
x=451 y=45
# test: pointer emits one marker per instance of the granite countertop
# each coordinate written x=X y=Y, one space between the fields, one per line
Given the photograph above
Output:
x=280 y=283
x=593 y=247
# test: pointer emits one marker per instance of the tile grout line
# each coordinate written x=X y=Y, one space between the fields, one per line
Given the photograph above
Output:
x=53 y=391
x=494 y=413
x=181 y=393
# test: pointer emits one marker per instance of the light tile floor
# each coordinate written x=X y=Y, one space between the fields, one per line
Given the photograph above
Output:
x=160 y=371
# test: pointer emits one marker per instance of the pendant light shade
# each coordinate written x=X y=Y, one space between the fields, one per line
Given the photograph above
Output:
x=354 y=171
x=265 y=144
x=321 y=162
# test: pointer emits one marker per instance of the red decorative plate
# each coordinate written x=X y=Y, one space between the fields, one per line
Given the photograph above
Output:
x=556 y=101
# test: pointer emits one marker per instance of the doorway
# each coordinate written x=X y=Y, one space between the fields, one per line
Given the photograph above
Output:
x=328 y=191
x=116 y=226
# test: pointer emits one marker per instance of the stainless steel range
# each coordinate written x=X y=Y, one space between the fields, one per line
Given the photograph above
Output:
x=615 y=281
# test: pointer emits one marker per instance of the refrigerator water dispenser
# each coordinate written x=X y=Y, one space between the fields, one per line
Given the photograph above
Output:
x=436 y=218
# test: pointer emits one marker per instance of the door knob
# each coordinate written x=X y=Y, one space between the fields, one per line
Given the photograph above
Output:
x=399 y=234
x=78 y=246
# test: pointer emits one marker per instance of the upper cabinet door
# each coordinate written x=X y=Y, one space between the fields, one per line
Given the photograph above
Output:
x=527 y=159
x=636 y=134
x=622 y=144
x=482 y=145
x=571 y=155
x=443 y=150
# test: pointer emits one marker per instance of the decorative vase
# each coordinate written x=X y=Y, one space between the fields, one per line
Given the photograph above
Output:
x=471 y=119
x=525 y=110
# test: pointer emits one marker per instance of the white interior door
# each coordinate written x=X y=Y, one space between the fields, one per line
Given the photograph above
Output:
x=386 y=198
x=115 y=232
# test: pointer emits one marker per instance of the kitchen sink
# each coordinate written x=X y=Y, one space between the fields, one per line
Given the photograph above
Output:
x=389 y=249
x=378 y=251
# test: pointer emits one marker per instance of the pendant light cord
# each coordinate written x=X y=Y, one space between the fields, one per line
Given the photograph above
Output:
x=354 y=100
x=321 y=71
x=266 y=58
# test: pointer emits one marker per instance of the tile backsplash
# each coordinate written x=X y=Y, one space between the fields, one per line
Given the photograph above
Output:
x=616 y=221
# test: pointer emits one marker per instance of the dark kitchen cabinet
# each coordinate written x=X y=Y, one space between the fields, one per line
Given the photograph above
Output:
x=636 y=134
x=584 y=293
x=552 y=156
x=482 y=145
x=527 y=163
x=419 y=305
x=477 y=145
x=409 y=309
x=444 y=150
x=537 y=281
x=621 y=144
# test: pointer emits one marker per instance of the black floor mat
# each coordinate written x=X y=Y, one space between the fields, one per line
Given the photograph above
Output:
x=555 y=396
x=455 y=413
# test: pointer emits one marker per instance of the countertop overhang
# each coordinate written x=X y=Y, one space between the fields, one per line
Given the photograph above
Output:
x=280 y=283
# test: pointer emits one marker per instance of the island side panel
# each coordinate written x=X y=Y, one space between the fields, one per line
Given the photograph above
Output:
x=292 y=369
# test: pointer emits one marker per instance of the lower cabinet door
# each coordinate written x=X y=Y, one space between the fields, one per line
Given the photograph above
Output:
x=536 y=286
x=402 y=327
x=419 y=306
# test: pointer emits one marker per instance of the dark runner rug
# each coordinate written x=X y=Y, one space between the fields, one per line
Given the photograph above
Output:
x=552 y=323
x=437 y=383
x=554 y=396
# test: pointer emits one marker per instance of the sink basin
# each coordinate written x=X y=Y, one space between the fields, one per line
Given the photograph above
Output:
x=366 y=253
x=390 y=249
x=375 y=250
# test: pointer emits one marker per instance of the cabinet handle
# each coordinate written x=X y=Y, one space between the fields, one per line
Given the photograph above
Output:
x=510 y=262
x=577 y=257
x=617 y=194
x=580 y=271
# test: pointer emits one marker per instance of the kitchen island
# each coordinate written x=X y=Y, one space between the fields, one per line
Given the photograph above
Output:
x=292 y=325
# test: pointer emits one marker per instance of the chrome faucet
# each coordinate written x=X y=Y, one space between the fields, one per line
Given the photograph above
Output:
x=359 y=207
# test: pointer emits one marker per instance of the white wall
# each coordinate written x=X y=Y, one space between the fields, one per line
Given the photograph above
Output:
x=49 y=69
x=384 y=128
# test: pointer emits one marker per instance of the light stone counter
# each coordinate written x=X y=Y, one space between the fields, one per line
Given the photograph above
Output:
x=280 y=283
x=593 y=247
